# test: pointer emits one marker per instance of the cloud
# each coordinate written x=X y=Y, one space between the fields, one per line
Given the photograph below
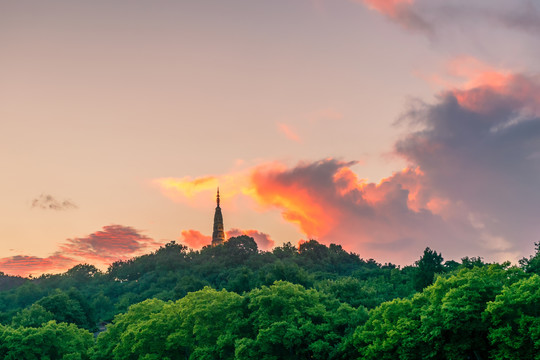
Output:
x=330 y=203
x=479 y=146
x=264 y=242
x=288 y=132
x=195 y=239
x=430 y=16
x=470 y=186
x=400 y=11
x=23 y=265
x=114 y=242
x=48 y=202
x=186 y=187
x=196 y=190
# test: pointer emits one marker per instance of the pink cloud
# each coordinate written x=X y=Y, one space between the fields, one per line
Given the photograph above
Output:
x=24 y=265
x=390 y=8
x=114 y=242
x=264 y=241
x=510 y=91
x=403 y=12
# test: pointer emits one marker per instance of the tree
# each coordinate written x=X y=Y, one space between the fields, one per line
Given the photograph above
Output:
x=33 y=316
x=532 y=264
x=445 y=321
x=313 y=251
x=391 y=332
x=241 y=247
x=68 y=307
x=82 y=272
x=198 y=326
x=9 y=282
x=515 y=321
x=287 y=250
x=470 y=262
x=49 y=342
x=291 y=322
x=108 y=341
x=429 y=264
x=452 y=319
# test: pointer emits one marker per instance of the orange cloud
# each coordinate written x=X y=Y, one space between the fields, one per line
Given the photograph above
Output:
x=191 y=190
x=186 y=187
x=23 y=265
x=288 y=132
x=328 y=202
x=314 y=196
x=298 y=202
x=195 y=239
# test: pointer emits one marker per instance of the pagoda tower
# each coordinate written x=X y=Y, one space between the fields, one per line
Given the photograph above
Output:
x=218 y=236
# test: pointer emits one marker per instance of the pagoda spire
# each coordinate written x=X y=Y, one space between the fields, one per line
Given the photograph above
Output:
x=218 y=235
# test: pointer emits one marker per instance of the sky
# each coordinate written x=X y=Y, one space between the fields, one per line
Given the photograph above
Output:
x=385 y=126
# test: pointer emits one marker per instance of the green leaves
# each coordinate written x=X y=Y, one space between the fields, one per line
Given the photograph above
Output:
x=447 y=320
x=515 y=321
x=430 y=263
x=196 y=326
x=48 y=342
x=282 y=321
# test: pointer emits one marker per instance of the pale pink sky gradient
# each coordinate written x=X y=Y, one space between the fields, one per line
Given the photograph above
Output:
x=100 y=99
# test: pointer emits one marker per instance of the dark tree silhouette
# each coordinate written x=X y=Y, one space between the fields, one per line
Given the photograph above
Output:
x=429 y=264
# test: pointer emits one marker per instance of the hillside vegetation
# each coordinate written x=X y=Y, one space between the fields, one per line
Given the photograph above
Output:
x=311 y=302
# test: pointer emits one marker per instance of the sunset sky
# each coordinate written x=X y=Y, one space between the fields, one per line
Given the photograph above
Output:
x=382 y=125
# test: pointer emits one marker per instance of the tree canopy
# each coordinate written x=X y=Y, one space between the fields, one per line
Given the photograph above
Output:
x=313 y=301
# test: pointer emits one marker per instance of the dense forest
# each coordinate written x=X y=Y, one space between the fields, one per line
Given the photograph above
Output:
x=233 y=301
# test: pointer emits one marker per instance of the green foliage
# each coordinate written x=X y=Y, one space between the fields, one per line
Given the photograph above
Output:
x=68 y=307
x=33 y=316
x=290 y=322
x=430 y=263
x=391 y=331
x=532 y=264
x=445 y=321
x=515 y=321
x=173 y=271
x=200 y=323
x=470 y=262
x=108 y=341
x=382 y=285
x=51 y=341
x=82 y=272
x=283 y=321
x=9 y=282
x=235 y=302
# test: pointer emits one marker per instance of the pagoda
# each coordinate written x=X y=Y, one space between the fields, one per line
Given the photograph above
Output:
x=218 y=235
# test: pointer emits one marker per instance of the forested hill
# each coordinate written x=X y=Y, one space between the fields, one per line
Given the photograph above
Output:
x=312 y=302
